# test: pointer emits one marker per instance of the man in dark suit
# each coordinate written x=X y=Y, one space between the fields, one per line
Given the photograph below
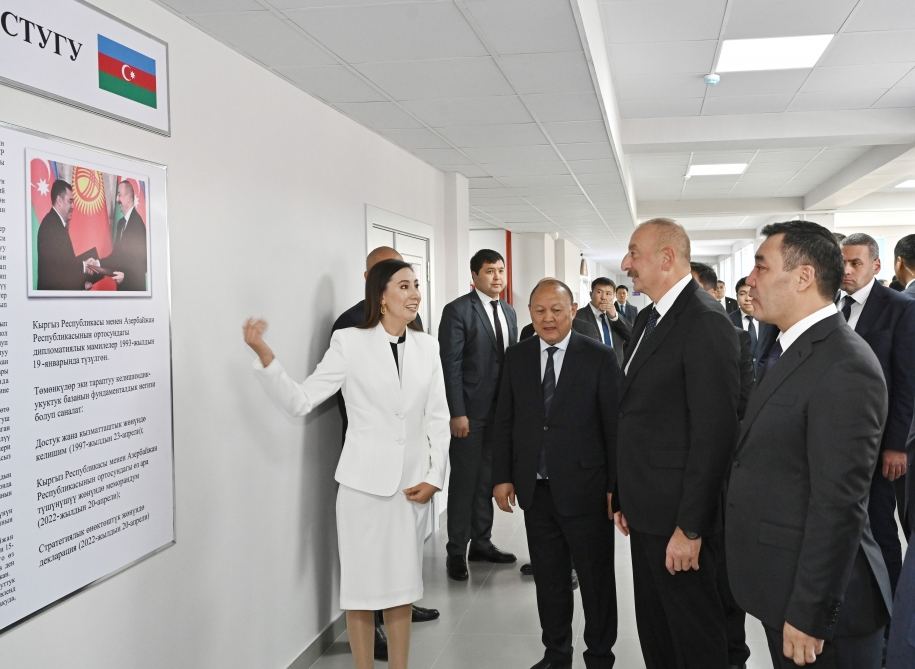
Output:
x=900 y=651
x=59 y=268
x=729 y=303
x=554 y=447
x=601 y=318
x=473 y=334
x=735 y=617
x=627 y=311
x=904 y=264
x=128 y=255
x=678 y=417
x=801 y=556
x=885 y=319
x=351 y=318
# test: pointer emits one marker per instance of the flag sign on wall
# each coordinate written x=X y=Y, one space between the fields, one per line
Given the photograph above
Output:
x=70 y=51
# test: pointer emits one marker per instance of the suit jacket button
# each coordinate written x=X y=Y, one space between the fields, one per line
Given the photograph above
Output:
x=546 y=427
x=736 y=464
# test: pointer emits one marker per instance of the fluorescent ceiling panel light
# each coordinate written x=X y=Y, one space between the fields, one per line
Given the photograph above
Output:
x=771 y=53
x=910 y=183
x=717 y=169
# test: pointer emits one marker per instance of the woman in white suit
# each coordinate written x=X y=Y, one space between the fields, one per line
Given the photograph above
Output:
x=394 y=452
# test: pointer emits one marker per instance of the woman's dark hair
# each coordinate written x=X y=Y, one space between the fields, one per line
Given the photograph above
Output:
x=375 y=283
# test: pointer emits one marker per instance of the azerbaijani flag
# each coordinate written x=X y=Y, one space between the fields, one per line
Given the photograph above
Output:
x=126 y=72
x=42 y=174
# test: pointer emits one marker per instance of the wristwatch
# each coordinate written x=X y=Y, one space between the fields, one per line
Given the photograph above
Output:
x=692 y=536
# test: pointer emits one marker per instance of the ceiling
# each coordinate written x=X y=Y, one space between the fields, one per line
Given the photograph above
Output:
x=582 y=116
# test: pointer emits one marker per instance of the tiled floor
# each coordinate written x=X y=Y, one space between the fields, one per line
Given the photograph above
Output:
x=490 y=621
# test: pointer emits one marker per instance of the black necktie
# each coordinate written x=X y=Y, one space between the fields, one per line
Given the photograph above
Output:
x=120 y=229
x=549 y=389
x=846 y=309
x=653 y=317
x=751 y=328
x=774 y=354
x=500 y=340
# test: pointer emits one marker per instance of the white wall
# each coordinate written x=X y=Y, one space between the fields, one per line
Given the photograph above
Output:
x=533 y=257
x=266 y=193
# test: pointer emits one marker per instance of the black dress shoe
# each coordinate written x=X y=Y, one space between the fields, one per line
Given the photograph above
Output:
x=491 y=554
x=381 y=643
x=527 y=569
x=456 y=567
x=551 y=664
x=421 y=615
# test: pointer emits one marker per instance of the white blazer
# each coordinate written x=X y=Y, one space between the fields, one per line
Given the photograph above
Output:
x=386 y=416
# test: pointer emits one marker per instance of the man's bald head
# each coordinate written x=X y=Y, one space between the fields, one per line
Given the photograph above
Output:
x=670 y=234
x=658 y=256
x=552 y=308
x=375 y=256
x=552 y=284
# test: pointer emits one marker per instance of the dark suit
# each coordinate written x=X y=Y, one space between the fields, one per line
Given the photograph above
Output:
x=805 y=554
x=565 y=517
x=129 y=252
x=900 y=652
x=59 y=268
x=620 y=330
x=678 y=418
x=730 y=305
x=627 y=311
x=472 y=365
x=887 y=324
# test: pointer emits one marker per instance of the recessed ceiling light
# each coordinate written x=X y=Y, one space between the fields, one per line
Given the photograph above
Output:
x=716 y=169
x=909 y=183
x=771 y=53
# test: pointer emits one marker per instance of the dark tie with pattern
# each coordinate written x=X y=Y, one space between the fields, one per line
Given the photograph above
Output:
x=653 y=317
x=500 y=340
x=846 y=309
x=549 y=389
x=605 y=326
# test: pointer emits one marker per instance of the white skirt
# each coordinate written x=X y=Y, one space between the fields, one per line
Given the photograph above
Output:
x=380 y=540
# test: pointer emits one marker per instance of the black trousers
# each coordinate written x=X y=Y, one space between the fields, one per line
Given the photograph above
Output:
x=680 y=618
x=735 y=618
x=470 y=509
x=881 y=508
x=554 y=541
x=856 y=652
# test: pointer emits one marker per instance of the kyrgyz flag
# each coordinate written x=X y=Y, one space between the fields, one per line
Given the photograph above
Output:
x=41 y=176
x=126 y=72
x=89 y=226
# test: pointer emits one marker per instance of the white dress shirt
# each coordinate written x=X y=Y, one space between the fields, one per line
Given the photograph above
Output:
x=744 y=322
x=487 y=307
x=789 y=336
x=859 y=297
x=662 y=306
x=598 y=314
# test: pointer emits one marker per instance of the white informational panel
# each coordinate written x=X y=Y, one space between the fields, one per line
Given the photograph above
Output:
x=70 y=51
x=86 y=461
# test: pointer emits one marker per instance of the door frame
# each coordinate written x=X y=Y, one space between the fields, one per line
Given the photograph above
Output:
x=376 y=217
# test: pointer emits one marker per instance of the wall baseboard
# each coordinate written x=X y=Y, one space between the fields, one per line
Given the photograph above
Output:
x=317 y=647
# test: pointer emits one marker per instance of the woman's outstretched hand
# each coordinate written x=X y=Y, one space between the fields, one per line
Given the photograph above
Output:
x=254 y=329
x=420 y=493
